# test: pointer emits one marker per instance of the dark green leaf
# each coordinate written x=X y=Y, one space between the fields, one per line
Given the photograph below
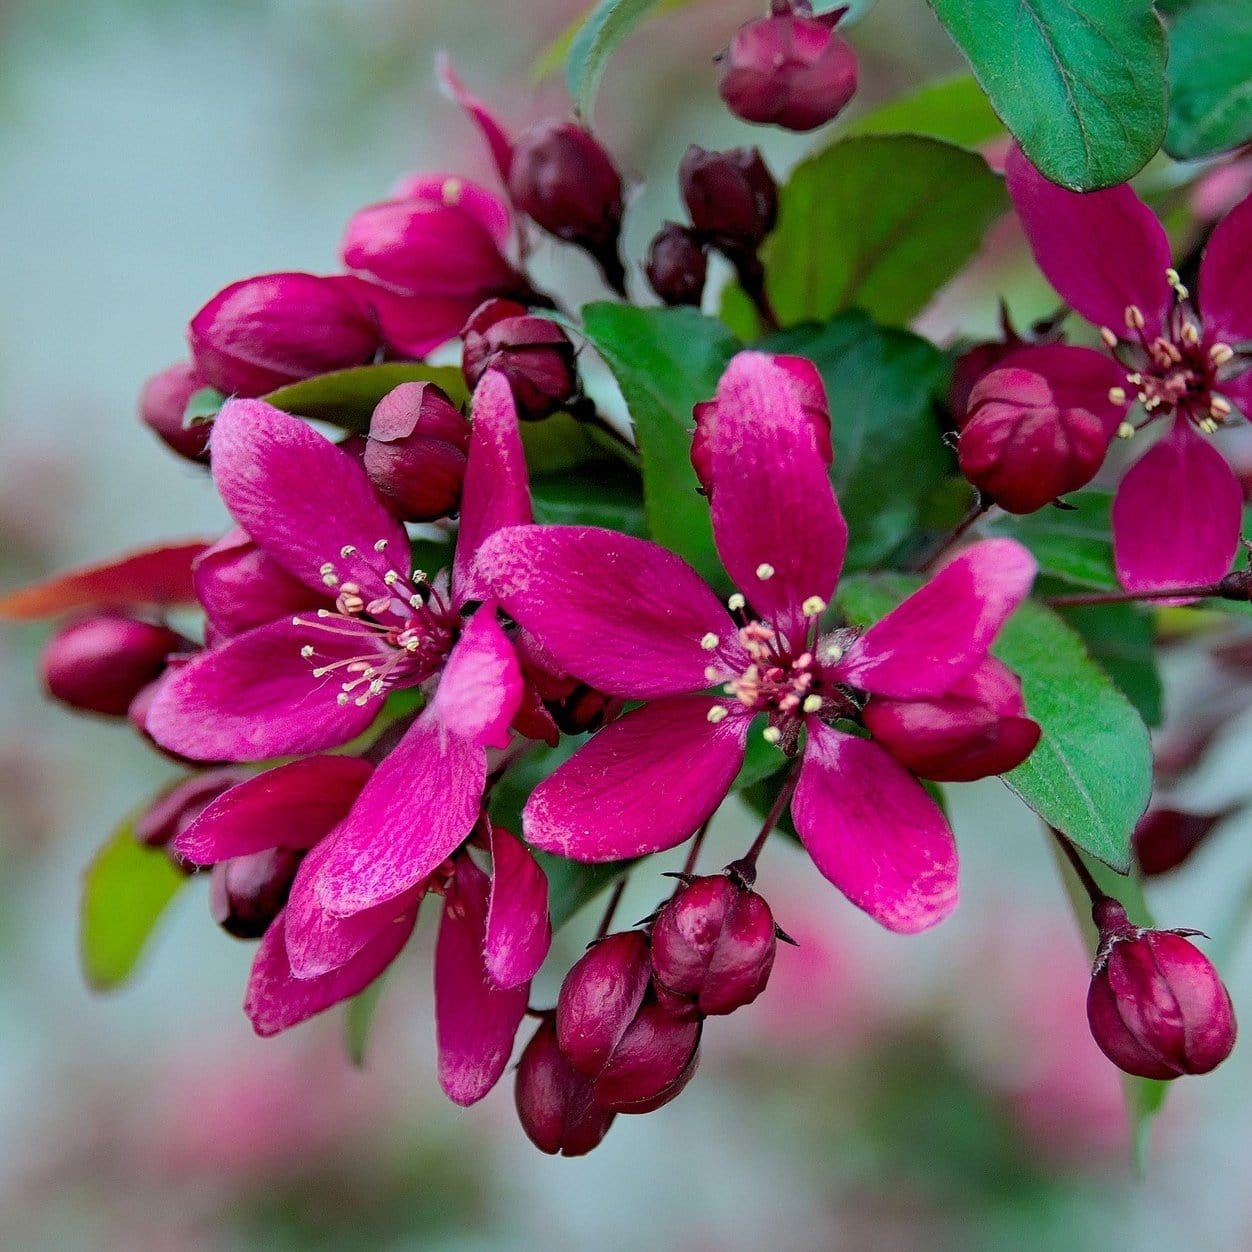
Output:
x=761 y=760
x=880 y=223
x=571 y=884
x=1120 y=638
x=605 y=27
x=358 y=1020
x=347 y=397
x=666 y=361
x=557 y=443
x=602 y=494
x=1074 y=545
x=126 y=888
x=202 y=405
x=1081 y=85
x=889 y=451
x=954 y=110
x=1210 y=79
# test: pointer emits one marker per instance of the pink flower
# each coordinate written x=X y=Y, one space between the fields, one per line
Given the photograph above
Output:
x=635 y=621
x=1178 y=511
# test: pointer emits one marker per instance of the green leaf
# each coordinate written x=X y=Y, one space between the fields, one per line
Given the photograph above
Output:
x=1081 y=85
x=889 y=451
x=358 y=1020
x=879 y=222
x=556 y=53
x=1074 y=545
x=953 y=109
x=1210 y=79
x=347 y=397
x=666 y=361
x=572 y=885
x=602 y=494
x=1121 y=639
x=126 y=888
x=605 y=27
x=202 y=406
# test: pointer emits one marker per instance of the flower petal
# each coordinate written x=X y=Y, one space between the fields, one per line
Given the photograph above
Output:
x=481 y=685
x=292 y=806
x=1102 y=250
x=415 y=325
x=301 y=498
x=519 y=931
x=277 y=1000
x=873 y=831
x=255 y=697
x=1224 y=294
x=485 y=207
x=620 y=613
x=1177 y=514
x=944 y=629
x=1078 y=378
x=642 y=784
x=495 y=493
x=475 y=1021
x=416 y=810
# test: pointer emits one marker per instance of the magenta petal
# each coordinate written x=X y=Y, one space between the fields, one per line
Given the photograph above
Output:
x=418 y=807
x=255 y=697
x=277 y=1000
x=519 y=931
x=485 y=207
x=873 y=831
x=475 y=1021
x=944 y=629
x=495 y=135
x=642 y=784
x=620 y=613
x=777 y=523
x=415 y=325
x=291 y=806
x=1224 y=294
x=1177 y=515
x=301 y=498
x=1078 y=378
x=495 y=493
x=481 y=686
x=1102 y=250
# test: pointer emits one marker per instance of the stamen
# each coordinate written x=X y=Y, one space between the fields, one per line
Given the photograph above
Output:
x=391 y=578
x=331 y=580
x=1110 y=339
x=307 y=651
x=814 y=606
x=451 y=190
x=416 y=602
x=736 y=602
x=1134 y=317
x=1125 y=430
x=1219 y=408
x=381 y=546
x=1190 y=333
x=1175 y=281
x=1117 y=395
x=771 y=734
x=709 y=642
x=718 y=713
x=712 y=673
x=765 y=571
x=342 y=698
x=1220 y=353
x=812 y=703
x=832 y=653
x=347 y=550
x=1207 y=425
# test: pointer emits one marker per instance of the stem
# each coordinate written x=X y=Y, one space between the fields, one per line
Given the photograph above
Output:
x=752 y=279
x=745 y=867
x=1090 y=886
x=696 y=845
x=614 y=899
x=1206 y=591
x=930 y=555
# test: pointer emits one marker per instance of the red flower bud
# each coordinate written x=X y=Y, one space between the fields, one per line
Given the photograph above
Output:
x=1156 y=1006
x=977 y=729
x=731 y=196
x=714 y=944
x=555 y=1103
x=162 y=403
x=676 y=265
x=790 y=68
x=415 y=455
x=533 y=353
x=265 y=332
x=1165 y=838
x=174 y=810
x=652 y=1062
x=246 y=893
x=100 y=664
x=600 y=997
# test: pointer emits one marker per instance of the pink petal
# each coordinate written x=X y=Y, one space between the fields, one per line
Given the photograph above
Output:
x=475 y=1021
x=277 y=1000
x=255 y=697
x=416 y=810
x=291 y=806
x=482 y=117
x=1078 y=378
x=519 y=931
x=481 y=686
x=944 y=629
x=303 y=499
x=1224 y=297
x=873 y=831
x=485 y=207
x=415 y=325
x=1177 y=514
x=1102 y=250
x=495 y=493
x=620 y=613
x=642 y=784
x=158 y=576
x=777 y=523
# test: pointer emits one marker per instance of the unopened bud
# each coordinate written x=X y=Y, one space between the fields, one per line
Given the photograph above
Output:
x=1236 y=586
x=1156 y=1006
x=651 y=1064
x=676 y=265
x=246 y=893
x=416 y=451
x=599 y=999
x=533 y=353
x=1165 y=838
x=555 y=1103
x=162 y=403
x=714 y=944
x=731 y=196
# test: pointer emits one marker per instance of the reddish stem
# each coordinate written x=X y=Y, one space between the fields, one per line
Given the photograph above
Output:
x=1206 y=591
x=745 y=867
x=1090 y=886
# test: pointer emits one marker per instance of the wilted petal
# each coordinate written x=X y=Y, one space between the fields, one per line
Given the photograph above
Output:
x=873 y=831
x=518 y=928
x=481 y=686
x=642 y=784
x=1225 y=282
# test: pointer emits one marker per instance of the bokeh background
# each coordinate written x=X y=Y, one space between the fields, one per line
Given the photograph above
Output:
x=883 y=1094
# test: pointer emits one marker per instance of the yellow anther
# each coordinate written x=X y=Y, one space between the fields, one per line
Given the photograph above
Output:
x=1110 y=339
x=718 y=713
x=765 y=571
x=1134 y=317
x=812 y=703
x=413 y=645
x=1219 y=408
x=831 y=653
x=342 y=698
x=1117 y=395
x=419 y=575
x=451 y=190
x=1125 y=430
x=376 y=687
x=736 y=602
x=381 y=546
x=320 y=613
x=1175 y=281
x=391 y=578
x=307 y=651
x=712 y=673
x=1220 y=353
x=1190 y=333
x=331 y=580
x=814 y=606
x=416 y=602
x=771 y=734
x=347 y=550
x=709 y=642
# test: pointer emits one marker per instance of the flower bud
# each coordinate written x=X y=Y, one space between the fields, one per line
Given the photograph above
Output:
x=265 y=332
x=555 y=1103
x=1165 y=838
x=714 y=944
x=971 y=365
x=162 y=403
x=599 y=999
x=1156 y=1005
x=652 y=1062
x=246 y=893
x=676 y=265
x=533 y=353
x=416 y=452
x=976 y=729
x=100 y=664
x=174 y=810
x=731 y=196
x=564 y=180
x=789 y=68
